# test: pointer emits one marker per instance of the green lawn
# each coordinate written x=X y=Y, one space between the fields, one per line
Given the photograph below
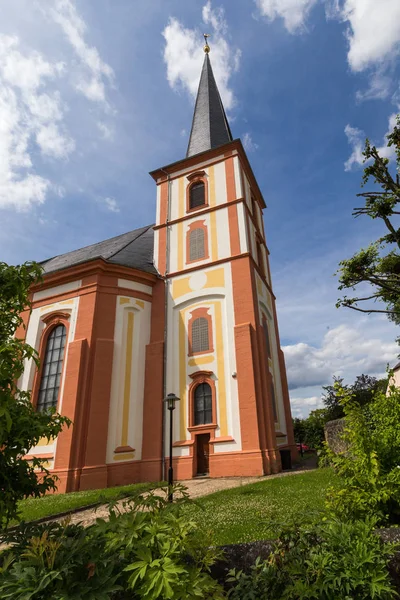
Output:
x=253 y=512
x=36 y=508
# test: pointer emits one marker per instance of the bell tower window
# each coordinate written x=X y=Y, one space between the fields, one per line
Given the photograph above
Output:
x=197 y=195
x=200 y=332
x=196 y=242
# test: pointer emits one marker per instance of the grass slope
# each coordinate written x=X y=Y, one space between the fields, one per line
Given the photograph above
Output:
x=36 y=508
x=252 y=512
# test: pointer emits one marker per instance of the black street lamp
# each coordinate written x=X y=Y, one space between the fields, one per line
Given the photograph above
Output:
x=170 y=401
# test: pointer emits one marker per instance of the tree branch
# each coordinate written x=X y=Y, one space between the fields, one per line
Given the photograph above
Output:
x=369 y=311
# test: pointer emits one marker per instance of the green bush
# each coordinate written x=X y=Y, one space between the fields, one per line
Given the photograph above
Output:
x=150 y=551
x=331 y=561
x=370 y=469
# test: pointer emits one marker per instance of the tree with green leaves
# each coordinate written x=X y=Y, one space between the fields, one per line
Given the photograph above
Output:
x=21 y=426
x=362 y=390
x=377 y=267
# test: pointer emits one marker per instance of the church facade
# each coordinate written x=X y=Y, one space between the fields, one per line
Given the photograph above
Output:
x=184 y=306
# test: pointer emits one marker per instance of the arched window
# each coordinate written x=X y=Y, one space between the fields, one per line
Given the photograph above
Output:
x=274 y=409
x=266 y=336
x=197 y=246
x=52 y=368
x=200 y=335
x=202 y=404
x=197 y=195
x=260 y=258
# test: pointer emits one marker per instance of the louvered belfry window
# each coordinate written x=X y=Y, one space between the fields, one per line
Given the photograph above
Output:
x=52 y=369
x=197 y=196
x=200 y=340
x=196 y=244
x=202 y=404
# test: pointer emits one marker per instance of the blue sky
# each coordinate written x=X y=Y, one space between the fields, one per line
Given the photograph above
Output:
x=95 y=94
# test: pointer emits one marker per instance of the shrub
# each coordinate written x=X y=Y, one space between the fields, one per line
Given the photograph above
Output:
x=21 y=426
x=326 y=562
x=150 y=551
x=370 y=469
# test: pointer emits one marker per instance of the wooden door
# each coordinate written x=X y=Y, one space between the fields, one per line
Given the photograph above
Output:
x=202 y=444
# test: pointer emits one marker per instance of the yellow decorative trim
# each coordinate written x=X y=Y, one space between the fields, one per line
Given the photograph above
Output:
x=47 y=307
x=66 y=302
x=127 y=380
x=180 y=287
x=221 y=398
x=211 y=175
x=182 y=374
x=124 y=300
x=182 y=185
x=201 y=360
x=213 y=216
x=180 y=244
x=127 y=456
x=140 y=303
x=43 y=442
x=215 y=278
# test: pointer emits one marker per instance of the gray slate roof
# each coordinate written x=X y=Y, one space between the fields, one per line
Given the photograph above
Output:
x=210 y=127
x=133 y=249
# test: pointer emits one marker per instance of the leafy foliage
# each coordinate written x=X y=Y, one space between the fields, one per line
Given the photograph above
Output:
x=146 y=549
x=377 y=267
x=362 y=390
x=370 y=469
x=325 y=562
x=21 y=427
x=310 y=431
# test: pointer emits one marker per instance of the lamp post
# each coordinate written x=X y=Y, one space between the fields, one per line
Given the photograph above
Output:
x=170 y=401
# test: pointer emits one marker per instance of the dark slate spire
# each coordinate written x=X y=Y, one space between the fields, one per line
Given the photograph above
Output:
x=210 y=127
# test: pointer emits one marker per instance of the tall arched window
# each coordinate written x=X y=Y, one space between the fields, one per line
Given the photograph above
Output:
x=197 y=246
x=200 y=335
x=260 y=258
x=197 y=195
x=202 y=404
x=266 y=336
x=52 y=368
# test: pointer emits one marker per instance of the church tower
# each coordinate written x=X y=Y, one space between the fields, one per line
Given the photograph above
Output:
x=222 y=351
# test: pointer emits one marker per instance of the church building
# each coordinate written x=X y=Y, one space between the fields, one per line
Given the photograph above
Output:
x=184 y=306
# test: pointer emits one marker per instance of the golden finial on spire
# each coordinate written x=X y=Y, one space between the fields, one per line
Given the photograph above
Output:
x=206 y=46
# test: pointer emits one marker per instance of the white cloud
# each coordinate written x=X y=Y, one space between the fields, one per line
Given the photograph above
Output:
x=344 y=350
x=110 y=204
x=356 y=138
x=215 y=18
x=293 y=12
x=27 y=114
x=300 y=407
x=94 y=73
x=374 y=30
x=183 y=54
x=248 y=143
x=379 y=87
x=107 y=132
x=53 y=143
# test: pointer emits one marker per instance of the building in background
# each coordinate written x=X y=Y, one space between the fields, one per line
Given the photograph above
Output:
x=184 y=306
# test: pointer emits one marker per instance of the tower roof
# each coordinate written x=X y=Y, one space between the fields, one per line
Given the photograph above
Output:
x=210 y=127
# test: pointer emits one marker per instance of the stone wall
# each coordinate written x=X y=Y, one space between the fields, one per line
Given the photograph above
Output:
x=334 y=431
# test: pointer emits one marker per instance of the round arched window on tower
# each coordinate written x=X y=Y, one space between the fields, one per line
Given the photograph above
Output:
x=197 y=196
